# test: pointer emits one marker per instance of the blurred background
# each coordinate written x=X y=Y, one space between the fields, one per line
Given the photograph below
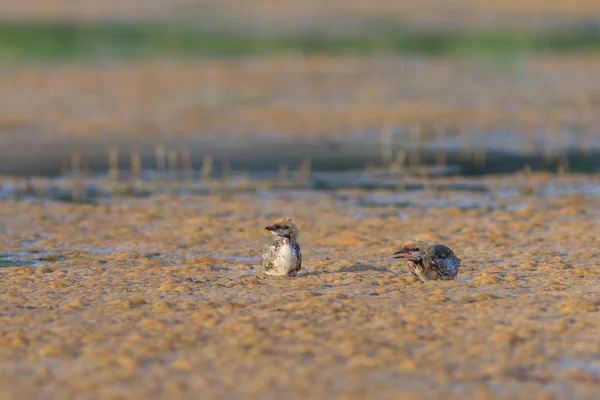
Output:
x=181 y=128
x=118 y=88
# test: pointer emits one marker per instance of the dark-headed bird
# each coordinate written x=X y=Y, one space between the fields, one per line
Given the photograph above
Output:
x=429 y=261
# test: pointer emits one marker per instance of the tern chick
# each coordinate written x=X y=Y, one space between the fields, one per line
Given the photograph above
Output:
x=283 y=256
x=429 y=261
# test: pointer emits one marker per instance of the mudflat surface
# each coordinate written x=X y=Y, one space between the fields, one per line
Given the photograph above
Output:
x=154 y=297
x=141 y=285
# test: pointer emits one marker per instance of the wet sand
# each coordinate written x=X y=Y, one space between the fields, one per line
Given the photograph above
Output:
x=155 y=297
x=147 y=290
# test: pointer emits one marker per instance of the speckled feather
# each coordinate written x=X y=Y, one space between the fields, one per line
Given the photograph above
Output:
x=437 y=262
x=445 y=262
x=282 y=257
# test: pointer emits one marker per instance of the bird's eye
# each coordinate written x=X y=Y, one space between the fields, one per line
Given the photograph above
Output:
x=286 y=227
x=415 y=249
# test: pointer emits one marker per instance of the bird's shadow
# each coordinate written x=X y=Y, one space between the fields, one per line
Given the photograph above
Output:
x=358 y=267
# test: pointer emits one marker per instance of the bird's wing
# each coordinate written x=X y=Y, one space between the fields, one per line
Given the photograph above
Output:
x=442 y=251
x=445 y=263
x=268 y=255
x=298 y=256
x=452 y=265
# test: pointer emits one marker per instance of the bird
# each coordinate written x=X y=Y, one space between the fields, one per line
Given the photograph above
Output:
x=283 y=256
x=429 y=261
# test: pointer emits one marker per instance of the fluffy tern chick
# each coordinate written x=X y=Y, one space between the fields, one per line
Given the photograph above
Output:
x=429 y=261
x=283 y=256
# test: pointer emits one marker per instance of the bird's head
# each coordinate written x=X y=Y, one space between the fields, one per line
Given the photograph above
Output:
x=284 y=227
x=413 y=251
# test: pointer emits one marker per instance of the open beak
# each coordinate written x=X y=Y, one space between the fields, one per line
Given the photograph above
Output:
x=403 y=254
x=270 y=228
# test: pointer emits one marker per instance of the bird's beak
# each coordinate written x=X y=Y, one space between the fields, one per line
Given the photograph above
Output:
x=270 y=228
x=402 y=254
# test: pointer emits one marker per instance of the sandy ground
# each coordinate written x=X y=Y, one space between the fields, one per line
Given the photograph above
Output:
x=155 y=297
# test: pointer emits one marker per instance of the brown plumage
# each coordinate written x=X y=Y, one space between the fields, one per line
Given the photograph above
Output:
x=282 y=257
x=429 y=261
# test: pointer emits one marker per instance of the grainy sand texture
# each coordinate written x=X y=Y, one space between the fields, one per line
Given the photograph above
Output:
x=145 y=145
x=155 y=297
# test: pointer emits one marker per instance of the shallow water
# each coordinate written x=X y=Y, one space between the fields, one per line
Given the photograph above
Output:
x=25 y=258
x=503 y=151
x=383 y=187
x=12 y=260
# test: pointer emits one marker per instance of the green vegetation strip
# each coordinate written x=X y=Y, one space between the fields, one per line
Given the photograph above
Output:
x=37 y=41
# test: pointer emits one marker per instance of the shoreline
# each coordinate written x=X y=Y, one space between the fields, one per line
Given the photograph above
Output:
x=49 y=157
